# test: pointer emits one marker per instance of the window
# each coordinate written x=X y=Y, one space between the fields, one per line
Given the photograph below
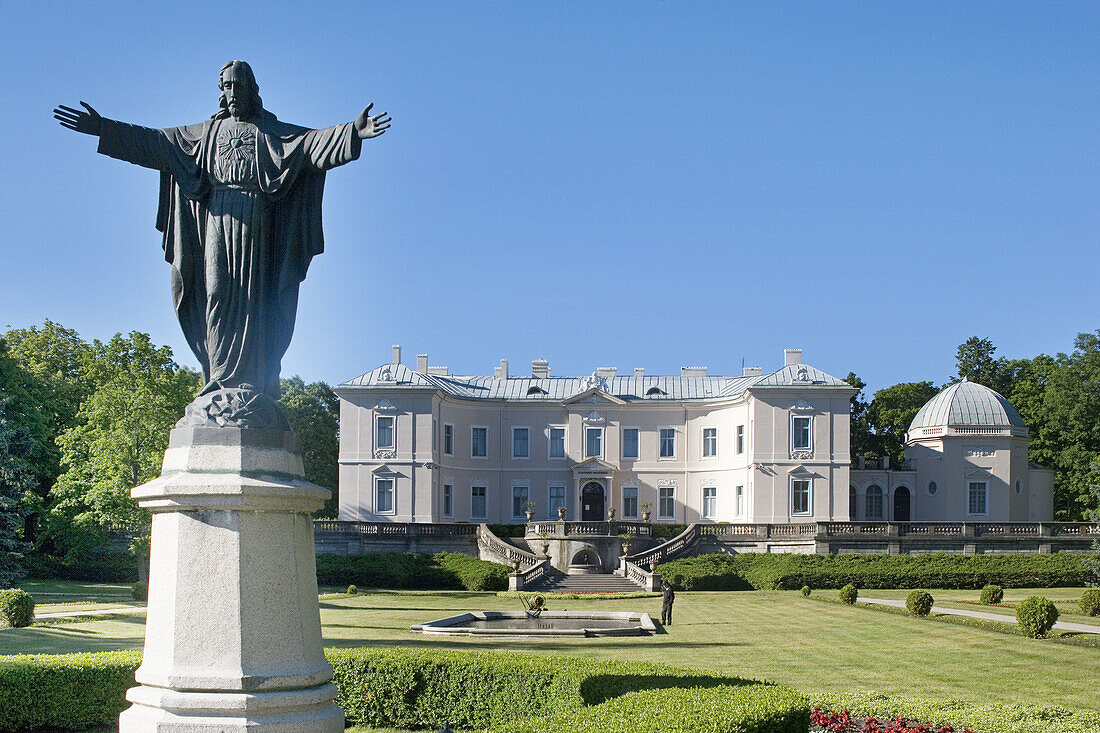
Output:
x=668 y=443
x=977 y=495
x=448 y=440
x=557 y=499
x=477 y=502
x=800 y=496
x=739 y=501
x=520 y=496
x=932 y=488
x=800 y=433
x=383 y=431
x=853 y=504
x=710 y=442
x=593 y=442
x=383 y=496
x=873 y=503
x=740 y=439
x=557 y=443
x=630 y=502
x=448 y=500
x=1019 y=487
x=479 y=442
x=630 y=442
x=666 y=502
x=521 y=443
x=710 y=502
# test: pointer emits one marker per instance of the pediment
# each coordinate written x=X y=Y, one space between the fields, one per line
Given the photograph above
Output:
x=385 y=469
x=593 y=396
x=591 y=466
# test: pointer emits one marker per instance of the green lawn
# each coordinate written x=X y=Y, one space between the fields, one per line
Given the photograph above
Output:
x=776 y=635
x=1064 y=598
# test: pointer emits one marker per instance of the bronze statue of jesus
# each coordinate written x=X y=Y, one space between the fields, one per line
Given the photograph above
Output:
x=240 y=210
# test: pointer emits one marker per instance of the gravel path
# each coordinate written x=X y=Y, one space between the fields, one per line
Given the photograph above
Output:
x=101 y=612
x=1060 y=625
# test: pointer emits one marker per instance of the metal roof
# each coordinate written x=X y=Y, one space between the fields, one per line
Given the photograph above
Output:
x=628 y=388
x=967 y=404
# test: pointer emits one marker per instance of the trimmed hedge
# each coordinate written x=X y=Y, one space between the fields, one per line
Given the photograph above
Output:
x=405 y=570
x=16 y=608
x=919 y=603
x=1089 y=603
x=849 y=594
x=113 y=567
x=409 y=688
x=763 y=571
x=991 y=595
x=1036 y=616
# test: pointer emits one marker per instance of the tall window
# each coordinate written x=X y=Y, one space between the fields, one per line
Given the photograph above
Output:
x=872 y=503
x=740 y=439
x=479 y=442
x=477 y=502
x=630 y=442
x=383 y=431
x=448 y=440
x=800 y=433
x=448 y=500
x=521 y=443
x=739 y=501
x=557 y=442
x=383 y=496
x=853 y=503
x=666 y=502
x=557 y=499
x=977 y=496
x=520 y=496
x=630 y=502
x=668 y=443
x=710 y=502
x=710 y=442
x=800 y=496
x=593 y=442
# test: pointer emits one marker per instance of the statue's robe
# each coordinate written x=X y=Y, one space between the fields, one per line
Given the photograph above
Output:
x=240 y=210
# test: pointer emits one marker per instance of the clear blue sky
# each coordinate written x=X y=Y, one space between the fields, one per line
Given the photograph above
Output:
x=651 y=184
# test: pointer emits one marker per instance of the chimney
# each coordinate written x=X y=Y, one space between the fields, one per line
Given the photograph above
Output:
x=540 y=369
x=607 y=372
x=639 y=372
x=693 y=371
x=751 y=371
x=792 y=356
x=501 y=372
x=438 y=371
x=396 y=353
x=422 y=363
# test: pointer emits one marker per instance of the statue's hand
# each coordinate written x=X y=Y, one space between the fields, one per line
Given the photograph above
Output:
x=368 y=126
x=87 y=122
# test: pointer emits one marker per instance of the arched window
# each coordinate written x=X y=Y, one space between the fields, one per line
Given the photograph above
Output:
x=932 y=488
x=873 y=502
x=853 y=503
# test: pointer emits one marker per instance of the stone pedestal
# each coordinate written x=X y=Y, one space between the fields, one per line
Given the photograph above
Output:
x=233 y=637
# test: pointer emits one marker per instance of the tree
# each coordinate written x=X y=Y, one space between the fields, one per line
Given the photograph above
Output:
x=891 y=412
x=120 y=438
x=313 y=411
x=974 y=359
x=16 y=480
x=863 y=442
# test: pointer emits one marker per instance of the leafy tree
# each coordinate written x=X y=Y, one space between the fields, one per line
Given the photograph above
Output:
x=863 y=440
x=120 y=438
x=313 y=410
x=16 y=480
x=892 y=411
x=975 y=362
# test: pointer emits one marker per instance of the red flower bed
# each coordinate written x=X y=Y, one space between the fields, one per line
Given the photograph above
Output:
x=843 y=722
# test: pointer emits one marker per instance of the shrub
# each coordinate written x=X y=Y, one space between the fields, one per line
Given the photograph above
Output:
x=806 y=591
x=352 y=590
x=16 y=608
x=1089 y=602
x=919 y=603
x=473 y=574
x=849 y=594
x=444 y=571
x=1036 y=616
x=140 y=591
x=706 y=572
x=992 y=595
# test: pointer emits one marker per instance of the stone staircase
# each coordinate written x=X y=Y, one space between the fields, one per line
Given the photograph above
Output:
x=558 y=582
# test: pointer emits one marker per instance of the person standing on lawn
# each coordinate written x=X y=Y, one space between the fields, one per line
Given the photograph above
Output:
x=668 y=596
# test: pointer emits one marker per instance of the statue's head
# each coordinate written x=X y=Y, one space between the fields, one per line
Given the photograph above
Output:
x=240 y=94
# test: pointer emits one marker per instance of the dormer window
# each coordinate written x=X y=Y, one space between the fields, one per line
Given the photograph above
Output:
x=655 y=391
x=535 y=390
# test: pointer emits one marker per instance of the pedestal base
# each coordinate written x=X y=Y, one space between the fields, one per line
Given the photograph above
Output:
x=157 y=710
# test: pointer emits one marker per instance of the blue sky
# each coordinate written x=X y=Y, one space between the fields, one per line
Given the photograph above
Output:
x=652 y=184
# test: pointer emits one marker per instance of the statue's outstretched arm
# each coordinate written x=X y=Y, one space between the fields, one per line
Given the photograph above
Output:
x=74 y=119
x=368 y=126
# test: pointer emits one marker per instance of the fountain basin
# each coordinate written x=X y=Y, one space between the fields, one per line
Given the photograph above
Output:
x=549 y=623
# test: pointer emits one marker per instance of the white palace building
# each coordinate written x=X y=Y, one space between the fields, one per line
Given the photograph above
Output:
x=424 y=446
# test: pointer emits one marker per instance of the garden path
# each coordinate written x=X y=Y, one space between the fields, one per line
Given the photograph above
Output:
x=1060 y=625
x=98 y=612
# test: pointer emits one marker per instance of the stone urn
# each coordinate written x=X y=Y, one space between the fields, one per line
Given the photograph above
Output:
x=645 y=515
x=611 y=514
x=530 y=516
x=561 y=513
x=626 y=548
x=515 y=566
x=545 y=548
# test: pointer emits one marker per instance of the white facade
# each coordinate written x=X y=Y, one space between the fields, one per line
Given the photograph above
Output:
x=423 y=446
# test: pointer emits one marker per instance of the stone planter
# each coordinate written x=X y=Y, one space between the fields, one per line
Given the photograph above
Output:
x=611 y=514
x=561 y=513
x=545 y=548
x=530 y=517
x=645 y=515
x=626 y=548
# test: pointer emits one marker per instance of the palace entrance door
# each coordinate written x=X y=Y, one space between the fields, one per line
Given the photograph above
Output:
x=592 y=502
x=901 y=504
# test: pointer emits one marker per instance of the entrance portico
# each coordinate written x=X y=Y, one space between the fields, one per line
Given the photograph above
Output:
x=592 y=481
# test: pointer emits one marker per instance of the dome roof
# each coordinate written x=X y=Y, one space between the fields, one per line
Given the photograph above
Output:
x=967 y=404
